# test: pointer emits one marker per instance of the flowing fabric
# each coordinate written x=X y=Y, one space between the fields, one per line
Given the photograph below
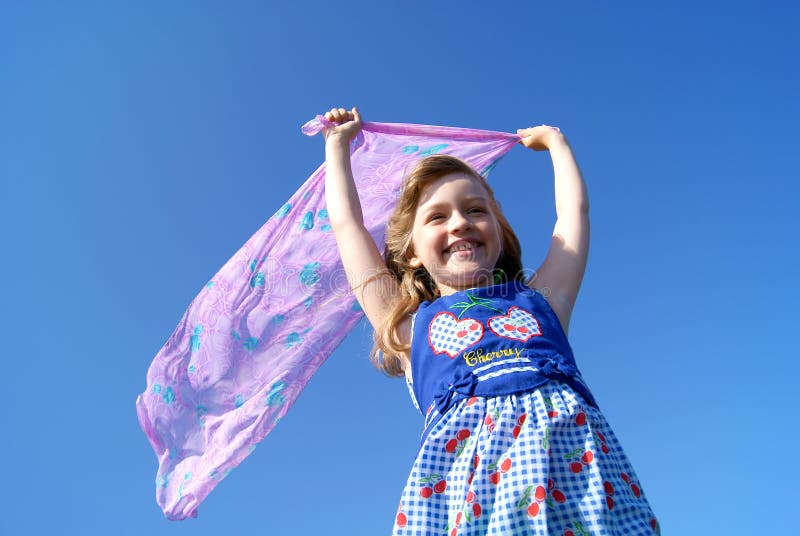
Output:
x=258 y=330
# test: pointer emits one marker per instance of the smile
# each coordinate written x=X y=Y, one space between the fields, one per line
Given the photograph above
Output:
x=462 y=246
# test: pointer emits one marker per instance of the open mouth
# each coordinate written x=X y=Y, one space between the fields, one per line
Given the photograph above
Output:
x=462 y=248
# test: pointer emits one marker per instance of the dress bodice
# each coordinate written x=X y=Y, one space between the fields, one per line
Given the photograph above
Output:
x=488 y=341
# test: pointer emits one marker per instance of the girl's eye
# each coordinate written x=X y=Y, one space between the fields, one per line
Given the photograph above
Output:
x=434 y=217
x=476 y=210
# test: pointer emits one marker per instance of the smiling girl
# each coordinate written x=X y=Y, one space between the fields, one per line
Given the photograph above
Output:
x=513 y=442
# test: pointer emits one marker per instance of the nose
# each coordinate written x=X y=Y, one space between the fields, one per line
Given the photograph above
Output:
x=459 y=221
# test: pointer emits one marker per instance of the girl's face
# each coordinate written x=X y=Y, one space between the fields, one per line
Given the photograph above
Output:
x=455 y=236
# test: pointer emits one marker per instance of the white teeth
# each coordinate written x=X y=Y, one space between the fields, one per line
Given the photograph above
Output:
x=463 y=246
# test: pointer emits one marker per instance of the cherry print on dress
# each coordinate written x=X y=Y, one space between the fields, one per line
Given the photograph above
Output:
x=401 y=519
x=532 y=505
x=449 y=335
x=431 y=484
x=518 y=325
x=458 y=443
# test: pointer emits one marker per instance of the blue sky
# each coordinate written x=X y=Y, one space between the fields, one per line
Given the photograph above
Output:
x=141 y=145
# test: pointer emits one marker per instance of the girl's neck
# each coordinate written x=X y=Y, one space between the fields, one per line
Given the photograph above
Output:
x=453 y=290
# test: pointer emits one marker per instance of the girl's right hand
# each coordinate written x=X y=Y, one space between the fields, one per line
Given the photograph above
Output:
x=348 y=127
x=540 y=138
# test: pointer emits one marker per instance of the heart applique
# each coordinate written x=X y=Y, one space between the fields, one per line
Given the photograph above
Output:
x=449 y=335
x=518 y=324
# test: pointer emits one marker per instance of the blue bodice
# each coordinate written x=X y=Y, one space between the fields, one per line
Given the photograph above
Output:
x=497 y=340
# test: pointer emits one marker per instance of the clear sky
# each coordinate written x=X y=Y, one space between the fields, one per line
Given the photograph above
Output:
x=142 y=143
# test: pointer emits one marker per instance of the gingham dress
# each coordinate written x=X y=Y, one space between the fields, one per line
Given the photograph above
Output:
x=497 y=459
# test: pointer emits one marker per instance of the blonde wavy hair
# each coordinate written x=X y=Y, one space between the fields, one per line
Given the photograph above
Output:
x=416 y=284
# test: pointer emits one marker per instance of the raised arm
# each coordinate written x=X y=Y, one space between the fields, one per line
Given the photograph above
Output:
x=366 y=271
x=560 y=275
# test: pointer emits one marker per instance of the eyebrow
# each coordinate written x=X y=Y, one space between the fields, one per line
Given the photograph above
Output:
x=470 y=199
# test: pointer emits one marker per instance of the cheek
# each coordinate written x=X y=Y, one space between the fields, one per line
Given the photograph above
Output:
x=421 y=238
x=425 y=248
x=415 y=245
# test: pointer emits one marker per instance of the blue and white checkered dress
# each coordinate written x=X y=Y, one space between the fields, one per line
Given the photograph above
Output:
x=541 y=461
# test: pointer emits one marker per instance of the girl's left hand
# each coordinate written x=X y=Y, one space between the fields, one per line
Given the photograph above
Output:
x=540 y=138
x=349 y=123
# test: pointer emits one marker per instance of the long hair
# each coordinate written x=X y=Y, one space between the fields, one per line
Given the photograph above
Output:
x=416 y=284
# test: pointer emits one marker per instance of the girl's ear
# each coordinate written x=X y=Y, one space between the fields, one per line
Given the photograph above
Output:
x=413 y=260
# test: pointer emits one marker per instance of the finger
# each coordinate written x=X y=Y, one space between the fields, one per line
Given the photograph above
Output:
x=356 y=115
x=337 y=115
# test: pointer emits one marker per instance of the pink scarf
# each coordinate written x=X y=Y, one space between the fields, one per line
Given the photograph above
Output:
x=259 y=329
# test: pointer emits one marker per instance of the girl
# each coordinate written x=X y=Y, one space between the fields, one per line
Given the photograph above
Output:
x=513 y=441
